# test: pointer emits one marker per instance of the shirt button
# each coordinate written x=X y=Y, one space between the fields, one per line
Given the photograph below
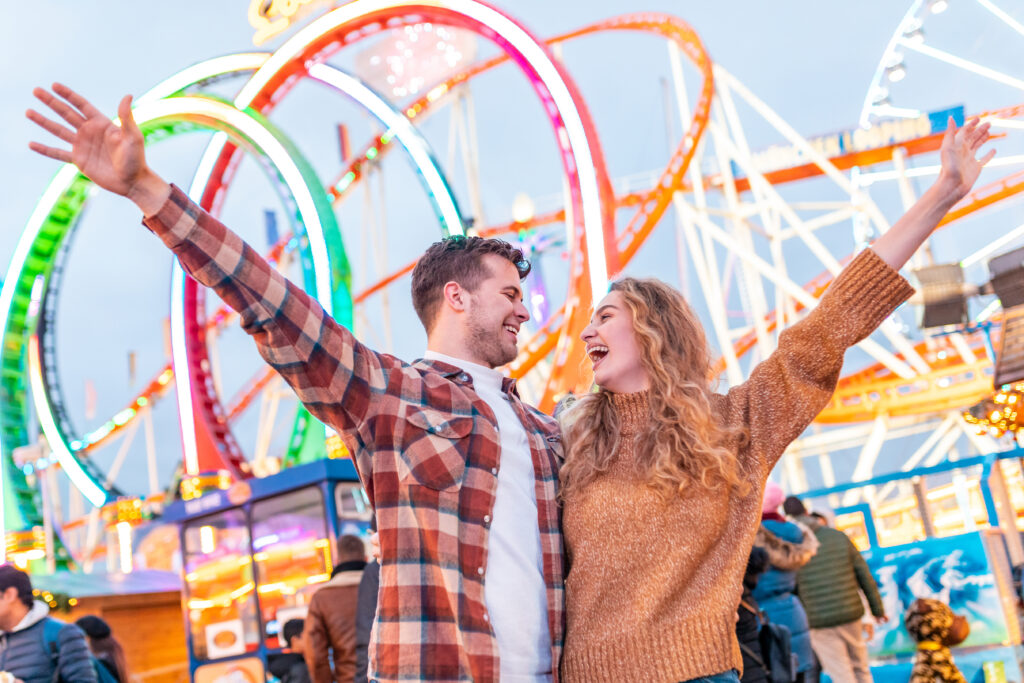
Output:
x=464 y=377
x=494 y=470
x=487 y=519
x=480 y=571
x=487 y=617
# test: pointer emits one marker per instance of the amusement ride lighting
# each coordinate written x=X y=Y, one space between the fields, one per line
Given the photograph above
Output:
x=398 y=126
x=207 y=540
x=213 y=113
x=124 y=543
x=204 y=72
x=896 y=71
x=914 y=32
x=999 y=413
x=66 y=179
x=79 y=477
x=561 y=105
x=406 y=59
x=65 y=176
x=428 y=170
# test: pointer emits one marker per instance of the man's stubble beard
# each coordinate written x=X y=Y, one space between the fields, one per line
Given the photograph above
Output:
x=488 y=344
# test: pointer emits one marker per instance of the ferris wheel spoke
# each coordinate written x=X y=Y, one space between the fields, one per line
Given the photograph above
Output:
x=1002 y=15
x=962 y=63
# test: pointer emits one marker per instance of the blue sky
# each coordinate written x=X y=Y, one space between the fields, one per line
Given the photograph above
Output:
x=811 y=61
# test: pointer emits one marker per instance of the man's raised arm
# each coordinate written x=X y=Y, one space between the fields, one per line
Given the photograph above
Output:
x=334 y=375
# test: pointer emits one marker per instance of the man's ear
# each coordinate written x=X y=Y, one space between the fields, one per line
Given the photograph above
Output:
x=455 y=296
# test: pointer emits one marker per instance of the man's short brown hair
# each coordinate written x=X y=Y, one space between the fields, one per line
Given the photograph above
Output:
x=457 y=259
x=351 y=548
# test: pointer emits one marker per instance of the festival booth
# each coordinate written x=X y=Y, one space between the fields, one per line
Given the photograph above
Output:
x=950 y=532
x=252 y=557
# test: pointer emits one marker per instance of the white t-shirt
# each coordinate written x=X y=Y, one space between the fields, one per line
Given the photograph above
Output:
x=514 y=589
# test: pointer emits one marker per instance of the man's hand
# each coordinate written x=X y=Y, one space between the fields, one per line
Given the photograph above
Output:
x=868 y=628
x=882 y=619
x=960 y=168
x=111 y=156
x=375 y=545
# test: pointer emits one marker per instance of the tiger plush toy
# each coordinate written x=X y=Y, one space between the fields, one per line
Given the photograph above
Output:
x=935 y=628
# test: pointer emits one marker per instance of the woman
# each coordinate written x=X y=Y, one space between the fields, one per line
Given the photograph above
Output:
x=663 y=478
x=788 y=546
x=104 y=646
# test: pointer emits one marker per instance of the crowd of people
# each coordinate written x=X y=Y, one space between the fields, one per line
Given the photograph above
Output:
x=609 y=544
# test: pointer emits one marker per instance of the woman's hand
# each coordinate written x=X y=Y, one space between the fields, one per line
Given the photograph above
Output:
x=960 y=167
x=959 y=172
x=112 y=156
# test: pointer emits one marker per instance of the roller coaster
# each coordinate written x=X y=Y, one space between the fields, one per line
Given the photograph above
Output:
x=761 y=232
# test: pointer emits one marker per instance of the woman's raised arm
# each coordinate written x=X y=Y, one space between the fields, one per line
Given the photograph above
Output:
x=960 y=169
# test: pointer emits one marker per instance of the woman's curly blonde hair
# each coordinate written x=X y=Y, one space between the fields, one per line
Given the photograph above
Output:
x=683 y=443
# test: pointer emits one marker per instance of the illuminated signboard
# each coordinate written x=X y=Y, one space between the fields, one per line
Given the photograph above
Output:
x=883 y=134
x=271 y=17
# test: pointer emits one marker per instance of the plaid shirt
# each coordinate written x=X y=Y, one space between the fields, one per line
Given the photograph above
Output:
x=425 y=444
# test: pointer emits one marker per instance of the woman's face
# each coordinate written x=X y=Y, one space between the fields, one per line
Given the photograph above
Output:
x=613 y=348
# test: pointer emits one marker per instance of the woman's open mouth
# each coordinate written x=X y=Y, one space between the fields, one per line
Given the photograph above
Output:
x=597 y=353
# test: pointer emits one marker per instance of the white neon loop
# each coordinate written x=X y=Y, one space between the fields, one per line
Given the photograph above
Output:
x=179 y=361
x=251 y=129
x=403 y=130
x=211 y=68
x=78 y=476
x=275 y=151
x=406 y=134
x=535 y=57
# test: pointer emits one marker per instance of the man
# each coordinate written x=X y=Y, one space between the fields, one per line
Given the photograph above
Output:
x=830 y=587
x=366 y=610
x=290 y=667
x=462 y=474
x=331 y=622
x=33 y=646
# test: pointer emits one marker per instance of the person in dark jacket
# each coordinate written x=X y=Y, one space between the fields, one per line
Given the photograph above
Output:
x=331 y=622
x=290 y=667
x=789 y=546
x=830 y=587
x=366 y=612
x=748 y=622
x=25 y=651
x=104 y=646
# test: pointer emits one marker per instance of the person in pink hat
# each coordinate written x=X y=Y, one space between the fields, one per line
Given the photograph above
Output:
x=790 y=545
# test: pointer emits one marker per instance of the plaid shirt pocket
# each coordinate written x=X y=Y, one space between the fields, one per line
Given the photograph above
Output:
x=434 y=446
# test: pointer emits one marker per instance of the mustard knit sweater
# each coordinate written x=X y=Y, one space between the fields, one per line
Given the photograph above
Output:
x=653 y=586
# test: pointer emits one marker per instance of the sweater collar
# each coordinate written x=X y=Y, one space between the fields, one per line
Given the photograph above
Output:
x=633 y=411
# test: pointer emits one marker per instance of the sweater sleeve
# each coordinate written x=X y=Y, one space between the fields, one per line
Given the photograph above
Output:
x=787 y=391
x=74 y=659
x=866 y=581
x=332 y=373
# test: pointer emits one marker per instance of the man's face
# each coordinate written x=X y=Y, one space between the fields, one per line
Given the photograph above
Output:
x=494 y=315
x=298 y=643
x=11 y=609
